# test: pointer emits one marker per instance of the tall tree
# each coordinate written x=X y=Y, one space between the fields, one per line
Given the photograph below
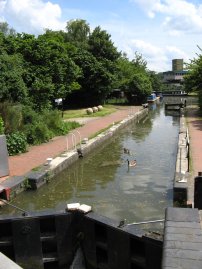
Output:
x=134 y=79
x=95 y=80
x=78 y=32
x=6 y=30
x=139 y=88
x=124 y=74
x=139 y=62
x=12 y=86
x=47 y=63
x=156 y=81
x=101 y=46
x=193 y=80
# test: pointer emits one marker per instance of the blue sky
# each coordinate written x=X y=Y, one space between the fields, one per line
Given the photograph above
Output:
x=160 y=30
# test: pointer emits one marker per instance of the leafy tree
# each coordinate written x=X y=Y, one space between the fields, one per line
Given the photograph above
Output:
x=140 y=85
x=1 y=126
x=1 y=43
x=134 y=79
x=95 y=80
x=12 y=86
x=78 y=32
x=101 y=46
x=41 y=92
x=50 y=72
x=124 y=74
x=59 y=36
x=6 y=30
x=156 y=82
x=103 y=49
x=139 y=63
x=193 y=80
x=139 y=88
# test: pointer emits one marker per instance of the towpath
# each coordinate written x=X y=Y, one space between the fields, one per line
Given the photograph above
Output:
x=195 y=133
x=37 y=155
x=194 y=122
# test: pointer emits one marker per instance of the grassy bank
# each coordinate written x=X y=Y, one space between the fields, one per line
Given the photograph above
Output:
x=80 y=113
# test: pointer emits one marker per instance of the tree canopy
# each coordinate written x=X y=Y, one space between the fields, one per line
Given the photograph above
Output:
x=78 y=65
x=193 y=80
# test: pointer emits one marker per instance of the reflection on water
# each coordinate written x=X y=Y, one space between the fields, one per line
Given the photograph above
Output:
x=103 y=179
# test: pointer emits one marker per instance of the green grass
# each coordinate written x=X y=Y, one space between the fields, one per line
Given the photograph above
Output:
x=103 y=130
x=80 y=113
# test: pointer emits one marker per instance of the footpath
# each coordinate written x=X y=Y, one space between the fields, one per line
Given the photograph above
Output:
x=194 y=123
x=38 y=155
x=195 y=133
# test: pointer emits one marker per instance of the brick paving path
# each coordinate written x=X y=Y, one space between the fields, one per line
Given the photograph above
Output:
x=37 y=155
x=194 y=123
x=195 y=133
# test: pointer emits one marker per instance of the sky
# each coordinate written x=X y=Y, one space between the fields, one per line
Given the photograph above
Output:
x=159 y=30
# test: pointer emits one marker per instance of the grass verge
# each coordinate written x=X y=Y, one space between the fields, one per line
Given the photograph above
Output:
x=80 y=113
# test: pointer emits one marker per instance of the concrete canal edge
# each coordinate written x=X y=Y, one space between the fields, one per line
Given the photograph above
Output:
x=182 y=173
x=45 y=173
x=182 y=241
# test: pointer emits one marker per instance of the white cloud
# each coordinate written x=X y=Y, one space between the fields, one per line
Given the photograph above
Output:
x=2 y=4
x=149 y=6
x=158 y=58
x=155 y=56
x=181 y=16
x=32 y=16
x=158 y=55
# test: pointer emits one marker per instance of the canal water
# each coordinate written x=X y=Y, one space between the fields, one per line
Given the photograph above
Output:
x=103 y=179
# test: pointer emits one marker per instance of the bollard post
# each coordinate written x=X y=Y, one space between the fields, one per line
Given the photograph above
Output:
x=198 y=191
x=4 y=166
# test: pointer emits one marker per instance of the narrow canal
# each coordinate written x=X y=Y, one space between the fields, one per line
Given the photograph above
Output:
x=103 y=179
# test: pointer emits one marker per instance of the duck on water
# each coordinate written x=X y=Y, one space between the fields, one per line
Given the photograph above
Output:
x=131 y=163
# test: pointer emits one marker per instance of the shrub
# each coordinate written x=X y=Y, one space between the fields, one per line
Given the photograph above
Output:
x=37 y=133
x=16 y=143
x=24 y=126
x=70 y=125
x=1 y=126
x=200 y=102
x=12 y=117
x=56 y=124
x=29 y=115
x=53 y=121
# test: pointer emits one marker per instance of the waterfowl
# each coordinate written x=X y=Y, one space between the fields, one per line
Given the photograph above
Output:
x=125 y=150
x=121 y=223
x=131 y=163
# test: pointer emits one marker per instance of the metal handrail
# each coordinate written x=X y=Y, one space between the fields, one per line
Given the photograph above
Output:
x=145 y=222
x=14 y=206
x=73 y=140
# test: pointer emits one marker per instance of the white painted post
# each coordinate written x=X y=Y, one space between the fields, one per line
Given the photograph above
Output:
x=79 y=137
x=73 y=140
